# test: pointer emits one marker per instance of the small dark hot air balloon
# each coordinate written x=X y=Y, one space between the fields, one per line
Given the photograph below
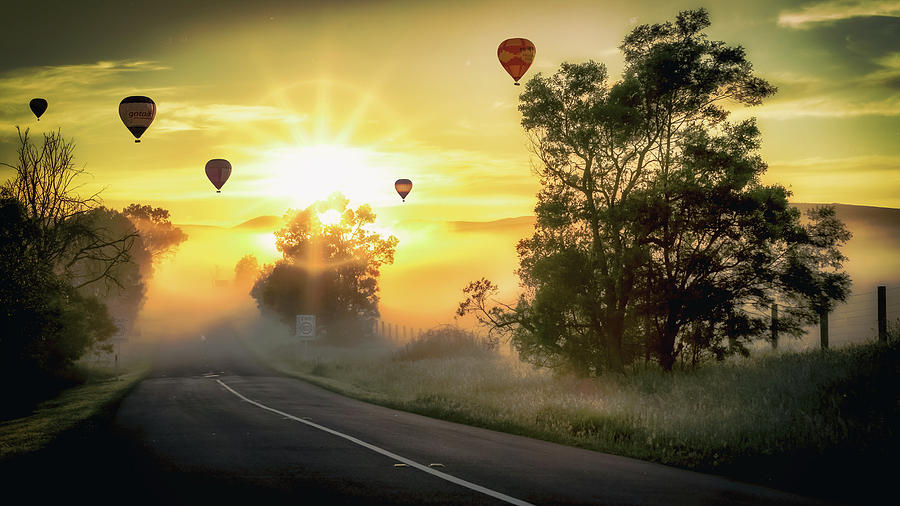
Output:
x=218 y=170
x=403 y=186
x=516 y=56
x=38 y=106
x=137 y=113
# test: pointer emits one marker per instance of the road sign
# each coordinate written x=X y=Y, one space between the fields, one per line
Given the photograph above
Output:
x=306 y=326
x=121 y=329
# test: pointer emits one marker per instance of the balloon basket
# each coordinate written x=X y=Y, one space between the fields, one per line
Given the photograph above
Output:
x=517 y=84
x=137 y=141
x=218 y=191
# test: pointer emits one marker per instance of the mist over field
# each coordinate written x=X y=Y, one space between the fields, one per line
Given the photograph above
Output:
x=195 y=288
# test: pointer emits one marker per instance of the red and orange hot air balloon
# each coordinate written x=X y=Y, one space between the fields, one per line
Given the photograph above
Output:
x=403 y=186
x=218 y=170
x=516 y=56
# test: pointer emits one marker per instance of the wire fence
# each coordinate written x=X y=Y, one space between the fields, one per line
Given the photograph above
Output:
x=853 y=321
x=395 y=331
x=857 y=320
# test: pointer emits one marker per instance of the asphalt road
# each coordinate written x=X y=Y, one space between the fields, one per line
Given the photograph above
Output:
x=213 y=426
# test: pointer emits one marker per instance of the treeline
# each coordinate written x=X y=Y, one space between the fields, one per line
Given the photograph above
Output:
x=656 y=239
x=72 y=272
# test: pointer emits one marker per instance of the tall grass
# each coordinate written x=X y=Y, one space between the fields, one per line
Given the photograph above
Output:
x=762 y=418
x=93 y=387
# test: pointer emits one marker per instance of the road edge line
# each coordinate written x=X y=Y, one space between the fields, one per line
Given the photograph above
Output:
x=444 y=476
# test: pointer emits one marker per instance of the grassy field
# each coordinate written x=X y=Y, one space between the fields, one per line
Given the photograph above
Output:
x=822 y=422
x=75 y=407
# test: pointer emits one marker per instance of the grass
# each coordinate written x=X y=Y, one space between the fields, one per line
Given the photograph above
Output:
x=820 y=421
x=75 y=407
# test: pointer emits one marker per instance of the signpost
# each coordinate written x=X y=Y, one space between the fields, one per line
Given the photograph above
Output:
x=120 y=336
x=306 y=329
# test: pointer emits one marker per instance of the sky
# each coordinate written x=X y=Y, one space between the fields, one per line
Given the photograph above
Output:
x=307 y=98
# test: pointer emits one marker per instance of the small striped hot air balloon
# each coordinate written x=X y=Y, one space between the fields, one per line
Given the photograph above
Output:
x=403 y=186
x=516 y=55
x=218 y=171
x=137 y=113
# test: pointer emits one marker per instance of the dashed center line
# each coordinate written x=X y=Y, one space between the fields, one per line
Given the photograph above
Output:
x=444 y=476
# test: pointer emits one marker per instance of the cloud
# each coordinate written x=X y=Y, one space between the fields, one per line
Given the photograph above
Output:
x=869 y=163
x=864 y=180
x=836 y=10
x=822 y=106
x=182 y=116
x=50 y=78
x=870 y=94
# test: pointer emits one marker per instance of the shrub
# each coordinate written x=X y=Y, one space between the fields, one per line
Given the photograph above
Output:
x=442 y=342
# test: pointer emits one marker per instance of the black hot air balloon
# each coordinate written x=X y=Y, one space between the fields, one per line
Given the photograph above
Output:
x=137 y=113
x=218 y=171
x=403 y=186
x=38 y=106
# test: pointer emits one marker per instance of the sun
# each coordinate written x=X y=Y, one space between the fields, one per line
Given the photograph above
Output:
x=330 y=217
x=306 y=174
x=346 y=142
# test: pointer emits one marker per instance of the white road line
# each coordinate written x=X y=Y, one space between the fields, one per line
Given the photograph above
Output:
x=411 y=463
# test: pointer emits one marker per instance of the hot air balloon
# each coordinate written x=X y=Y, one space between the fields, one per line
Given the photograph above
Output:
x=403 y=186
x=516 y=56
x=218 y=170
x=137 y=113
x=38 y=106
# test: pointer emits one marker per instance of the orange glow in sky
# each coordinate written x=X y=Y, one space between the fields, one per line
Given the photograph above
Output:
x=306 y=100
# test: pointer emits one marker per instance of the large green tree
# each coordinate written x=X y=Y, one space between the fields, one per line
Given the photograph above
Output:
x=123 y=288
x=67 y=262
x=46 y=324
x=328 y=269
x=653 y=230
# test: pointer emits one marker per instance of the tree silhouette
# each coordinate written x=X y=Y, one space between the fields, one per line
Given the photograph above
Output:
x=330 y=270
x=653 y=231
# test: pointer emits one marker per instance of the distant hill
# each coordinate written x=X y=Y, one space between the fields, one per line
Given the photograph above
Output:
x=520 y=222
x=856 y=217
x=269 y=223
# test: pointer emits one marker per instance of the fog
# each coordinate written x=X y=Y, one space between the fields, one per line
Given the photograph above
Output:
x=195 y=289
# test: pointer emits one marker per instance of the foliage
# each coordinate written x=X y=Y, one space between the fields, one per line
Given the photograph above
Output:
x=47 y=324
x=68 y=265
x=654 y=235
x=125 y=285
x=45 y=184
x=831 y=412
x=443 y=342
x=246 y=270
x=160 y=237
x=330 y=270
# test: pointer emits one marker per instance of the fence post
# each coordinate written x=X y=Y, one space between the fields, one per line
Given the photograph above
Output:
x=823 y=329
x=882 y=314
x=774 y=326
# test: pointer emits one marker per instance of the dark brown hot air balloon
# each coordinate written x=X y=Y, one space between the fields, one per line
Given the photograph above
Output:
x=516 y=56
x=218 y=171
x=137 y=113
x=403 y=186
x=38 y=106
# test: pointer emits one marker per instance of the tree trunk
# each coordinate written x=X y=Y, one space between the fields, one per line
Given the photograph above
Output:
x=614 y=332
x=667 y=352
